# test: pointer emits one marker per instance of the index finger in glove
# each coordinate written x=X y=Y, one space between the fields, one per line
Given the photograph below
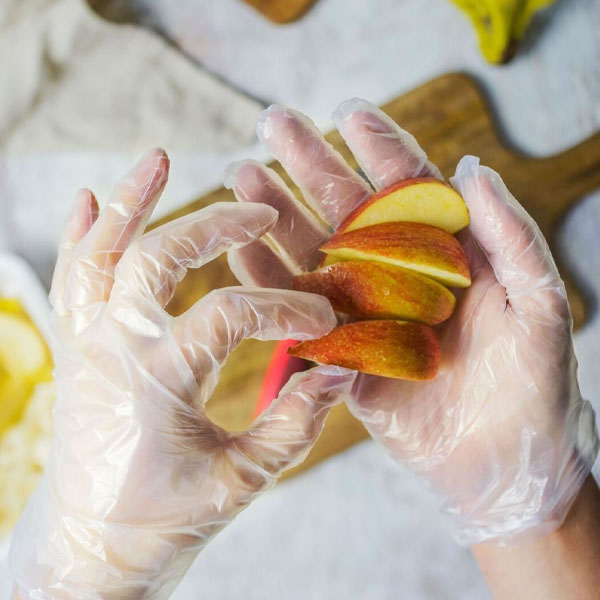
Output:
x=511 y=240
x=123 y=220
x=385 y=152
x=329 y=185
x=296 y=230
x=211 y=329
x=151 y=268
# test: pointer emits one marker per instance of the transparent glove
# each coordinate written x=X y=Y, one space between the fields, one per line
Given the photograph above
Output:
x=502 y=434
x=139 y=479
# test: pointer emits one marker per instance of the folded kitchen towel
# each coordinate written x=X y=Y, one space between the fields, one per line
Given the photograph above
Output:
x=72 y=81
x=81 y=99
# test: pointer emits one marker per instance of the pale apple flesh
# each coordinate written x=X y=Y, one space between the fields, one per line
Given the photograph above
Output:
x=379 y=291
x=396 y=349
x=424 y=200
x=329 y=259
x=413 y=246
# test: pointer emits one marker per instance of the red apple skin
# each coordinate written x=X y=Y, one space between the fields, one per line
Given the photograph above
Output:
x=415 y=246
x=281 y=367
x=396 y=349
x=450 y=213
x=373 y=290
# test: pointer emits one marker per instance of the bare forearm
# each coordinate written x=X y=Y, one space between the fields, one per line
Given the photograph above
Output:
x=563 y=564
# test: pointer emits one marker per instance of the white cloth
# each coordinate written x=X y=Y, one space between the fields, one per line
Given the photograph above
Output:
x=81 y=99
x=73 y=82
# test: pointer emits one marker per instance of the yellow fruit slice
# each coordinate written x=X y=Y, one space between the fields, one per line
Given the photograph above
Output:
x=24 y=360
x=22 y=350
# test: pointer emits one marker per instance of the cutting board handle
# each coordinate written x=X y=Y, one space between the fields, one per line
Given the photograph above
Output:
x=573 y=173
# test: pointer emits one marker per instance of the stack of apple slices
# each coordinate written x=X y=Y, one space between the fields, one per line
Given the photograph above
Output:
x=388 y=265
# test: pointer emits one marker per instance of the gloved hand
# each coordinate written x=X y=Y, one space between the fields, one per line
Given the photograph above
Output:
x=502 y=434
x=139 y=479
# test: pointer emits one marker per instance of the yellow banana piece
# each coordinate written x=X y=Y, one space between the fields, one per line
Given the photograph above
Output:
x=524 y=18
x=500 y=23
x=24 y=361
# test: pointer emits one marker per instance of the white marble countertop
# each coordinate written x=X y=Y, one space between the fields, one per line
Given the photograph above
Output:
x=358 y=526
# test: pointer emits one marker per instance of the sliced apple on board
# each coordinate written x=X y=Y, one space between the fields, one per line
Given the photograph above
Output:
x=426 y=200
x=397 y=349
x=413 y=246
x=374 y=290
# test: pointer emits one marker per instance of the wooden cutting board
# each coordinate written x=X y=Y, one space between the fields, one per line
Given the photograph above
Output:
x=449 y=118
x=281 y=11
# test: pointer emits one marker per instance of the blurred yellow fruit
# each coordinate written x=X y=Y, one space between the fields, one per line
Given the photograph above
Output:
x=500 y=24
x=24 y=361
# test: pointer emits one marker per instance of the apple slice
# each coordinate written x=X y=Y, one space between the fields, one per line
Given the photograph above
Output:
x=280 y=368
x=426 y=200
x=395 y=349
x=379 y=291
x=414 y=246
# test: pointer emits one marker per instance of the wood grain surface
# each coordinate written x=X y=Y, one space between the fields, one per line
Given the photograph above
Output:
x=449 y=118
x=281 y=11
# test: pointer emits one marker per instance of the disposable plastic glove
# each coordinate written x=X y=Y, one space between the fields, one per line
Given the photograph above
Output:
x=139 y=479
x=502 y=434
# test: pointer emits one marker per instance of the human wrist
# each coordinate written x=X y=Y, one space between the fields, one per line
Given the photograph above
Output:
x=561 y=564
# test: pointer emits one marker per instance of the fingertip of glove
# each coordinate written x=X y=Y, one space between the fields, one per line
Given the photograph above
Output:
x=265 y=215
x=482 y=188
x=265 y=121
x=334 y=371
x=84 y=211
x=268 y=214
x=283 y=129
x=349 y=107
x=332 y=382
x=155 y=158
x=324 y=383
x=318 y=320
x=149 y=174
x=230 y=174
x=237 y=173
x=466 y=168
x=470 y=172
x=323 y=320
